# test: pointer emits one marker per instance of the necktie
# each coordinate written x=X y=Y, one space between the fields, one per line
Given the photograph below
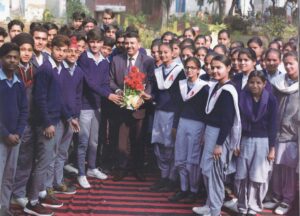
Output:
x=130 y=64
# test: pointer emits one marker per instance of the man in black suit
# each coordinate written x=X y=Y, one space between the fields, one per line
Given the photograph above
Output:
x=130 y=123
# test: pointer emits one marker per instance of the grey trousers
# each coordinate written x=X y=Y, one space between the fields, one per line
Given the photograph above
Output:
x=25 y=162
x=88 y=139
x=284 y=183
x=55 y=172
x=165 y=161
x=8 y=164
x=45 y=155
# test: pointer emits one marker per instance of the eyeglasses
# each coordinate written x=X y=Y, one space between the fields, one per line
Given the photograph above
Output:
x=190 y=68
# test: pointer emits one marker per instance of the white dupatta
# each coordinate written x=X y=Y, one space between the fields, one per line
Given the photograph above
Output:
x=164 y=84
x=183 y=86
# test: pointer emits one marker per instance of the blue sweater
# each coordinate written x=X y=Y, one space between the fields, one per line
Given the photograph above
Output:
x=71 y=86
x=48 y=102
x=222 y=116
x=168 y=99
x=13 y=108
x=194 y=108
x=96 y=81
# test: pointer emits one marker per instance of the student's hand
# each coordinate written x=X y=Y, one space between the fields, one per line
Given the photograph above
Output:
x=49 y=132
x=174 y=132
x=74 y=124
x=145 y=96
x=217 y=152
x=237 y=152
x=116 y=98
x=271 y=155
x=12 y=140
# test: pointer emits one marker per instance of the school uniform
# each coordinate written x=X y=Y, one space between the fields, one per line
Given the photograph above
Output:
x=95 y=85
x=49 y=109
x=259 y=121
x=286 y=160
x=223 y=129
x=190 y=128
x=37 y=61
x=13 y=117
x=270 y=77
x=166 y=95
x=28 y=139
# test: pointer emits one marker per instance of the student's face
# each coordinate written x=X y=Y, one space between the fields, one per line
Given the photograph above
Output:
x=291 y=66
x=77 y=23
x=200 y=42
x=10 y=61
x=220 y=71
x=219 y=51
x=40 y=40
x=176 y=51
x=191 y=71
x=51 y=34
x=188 y=34
x=224 y=39
x=72 y=55
x=89 y=26
x=257 y=49
x=26 y=51
x=95 y=46
x=256 y=86
x=246 y=64
x=274 y=46
x=207 y=65
x=235 y=62
x=287 y=49
x=111 y=33
x=166 y=54
x=155 y=53
x=120 y=42
x=106 y=50
x=107 y=19
x=167 y=39
x=272 y=62
x=14 y=31
x=132 y=46
x=186 y=53
x=201 y=55
x=81 y=46
x=208 y=42
x=1 y=40
x=59 y=53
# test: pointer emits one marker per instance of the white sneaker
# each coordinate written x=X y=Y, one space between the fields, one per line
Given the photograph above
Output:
x=203 y=210
x=71 y=169
x=20 y=201
x=83 y=182
x=271 y=204
x=232 y=205
x=282 y=209
x=96 y=174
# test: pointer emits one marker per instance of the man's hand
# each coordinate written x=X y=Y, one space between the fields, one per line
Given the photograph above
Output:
x=145 y=96
x=12 y=139
x=271 y=155
x=74 y=124
x=116 y=98
x=120 y=92
x=49 y=132
x=217 y=152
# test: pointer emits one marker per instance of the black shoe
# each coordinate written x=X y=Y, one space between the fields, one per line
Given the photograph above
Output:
x=139 y=176
x=170 y=187
x=159 y=184
x=191 y=198
x=120 y=175
x=178 y=196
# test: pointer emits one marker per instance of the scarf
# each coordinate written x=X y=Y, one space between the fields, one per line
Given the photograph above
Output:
x=281 y=85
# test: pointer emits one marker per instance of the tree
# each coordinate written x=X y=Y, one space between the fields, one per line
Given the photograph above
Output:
x=75 y=5
x=166 y=4
x=230 y=13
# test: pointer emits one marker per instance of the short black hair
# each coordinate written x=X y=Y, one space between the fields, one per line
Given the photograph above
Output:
x=15 y=22
x=132 y=28
x=38 y=29
x=60 y=40
x=7 y=47
x=94 y=34
x=3 y=32
x=23 y=38
x=89 y=20
x=80 y=36
x=65 y=30
x=132 y=34
x=50 y=25
x=107 y=41
x=110 y=12
x=78 y=15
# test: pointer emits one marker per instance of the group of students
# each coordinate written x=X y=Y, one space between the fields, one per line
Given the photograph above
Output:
x=219 y=118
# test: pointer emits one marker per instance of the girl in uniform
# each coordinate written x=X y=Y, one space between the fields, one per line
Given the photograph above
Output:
x=191 y=126
x=166 y=98
x=221 y=136
x=258 y=108
x=256 y=44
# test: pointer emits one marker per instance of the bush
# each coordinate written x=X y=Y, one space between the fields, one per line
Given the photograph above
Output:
x=274 y=27
x=236 y=23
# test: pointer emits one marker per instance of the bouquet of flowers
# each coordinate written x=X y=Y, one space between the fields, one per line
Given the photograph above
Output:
x=133 y=86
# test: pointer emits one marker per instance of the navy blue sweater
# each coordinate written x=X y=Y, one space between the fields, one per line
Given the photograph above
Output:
x=13 y=108
x=96 y=81
x=71 y=86
x=48 y=102
x=222 y=116
x=193 y=108
x=168 y=100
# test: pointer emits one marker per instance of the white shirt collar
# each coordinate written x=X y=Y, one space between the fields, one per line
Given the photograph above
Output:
x=10 y=83
x=53 y=64
x=91 y=56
